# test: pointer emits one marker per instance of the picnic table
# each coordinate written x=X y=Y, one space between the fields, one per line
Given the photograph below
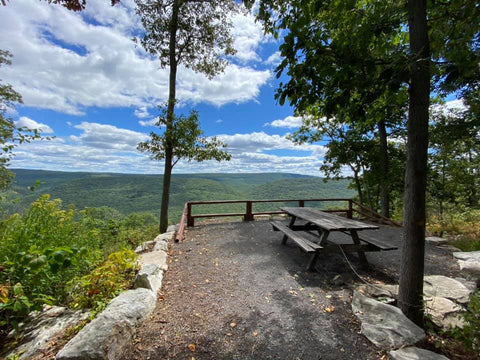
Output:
x=320 y=224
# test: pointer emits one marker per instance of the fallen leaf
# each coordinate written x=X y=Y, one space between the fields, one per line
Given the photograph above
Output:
x=232 y=325
x=342 y=350
x=255 y=333
x=207 y=281
x=192 y=347
x=229 y=334
x=293 y=292
x=328 y=296
x=330 y=309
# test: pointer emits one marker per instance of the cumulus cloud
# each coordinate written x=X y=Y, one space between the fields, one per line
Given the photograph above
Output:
x=142 y=112
x=288 y=122
x=32 y=124
x=274 y=59
x=102 y=136
x=151 y=122
x=260 y=141
x=66 y=61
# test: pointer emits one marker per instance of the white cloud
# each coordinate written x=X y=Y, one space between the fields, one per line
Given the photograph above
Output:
x=102 y=136
x=452 y=107
x=288 y=122
x=66 y=61
x=142 y=112
x=219 y=121
x=32 y=124
x=248 y=34
x=151 y=122
x=274 y=59
x=260 y=141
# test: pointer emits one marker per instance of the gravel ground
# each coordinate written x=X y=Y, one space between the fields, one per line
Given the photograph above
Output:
x=233 y=291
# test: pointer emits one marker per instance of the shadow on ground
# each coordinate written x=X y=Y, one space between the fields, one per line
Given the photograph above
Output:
x=233 y=291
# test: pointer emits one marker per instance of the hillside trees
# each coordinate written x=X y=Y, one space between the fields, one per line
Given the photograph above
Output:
x=346 y=58
x=192 y=33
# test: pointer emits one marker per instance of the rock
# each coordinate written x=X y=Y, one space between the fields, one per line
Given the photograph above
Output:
x=379 y=290
x=450 y=248
x=149 y=277
x=165 y=236
x=469 y=262
x=444 y=312
x=385 y=325
x=41 y=326
x=337 y=280
x=172 y=228
x=108 y=334
x=442 y=286
x=145 y=246
x=161 y=245
x=158 y=258
x=414 y=353
x=435 y=240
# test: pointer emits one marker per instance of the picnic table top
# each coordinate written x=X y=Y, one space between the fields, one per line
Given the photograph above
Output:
x=327 y=221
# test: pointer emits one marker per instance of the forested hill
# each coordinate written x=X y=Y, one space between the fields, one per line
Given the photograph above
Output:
x=135 y=193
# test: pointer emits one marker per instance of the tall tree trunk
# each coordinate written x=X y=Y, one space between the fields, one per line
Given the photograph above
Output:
x=410 y=297
x=167 y=173
x=383 y=158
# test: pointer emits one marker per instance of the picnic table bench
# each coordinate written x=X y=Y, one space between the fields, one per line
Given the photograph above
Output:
x=320 y=224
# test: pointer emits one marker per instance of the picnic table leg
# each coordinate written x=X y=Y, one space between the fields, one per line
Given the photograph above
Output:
x=285 y=237
x=361 y=254
x=313 y=258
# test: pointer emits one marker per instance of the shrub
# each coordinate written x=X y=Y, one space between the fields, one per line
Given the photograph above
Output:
x=97 y=288
x=470 y=333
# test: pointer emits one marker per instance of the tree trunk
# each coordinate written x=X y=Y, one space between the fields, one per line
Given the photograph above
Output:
x=410 y=297
x=167 y=173
x=383 y=157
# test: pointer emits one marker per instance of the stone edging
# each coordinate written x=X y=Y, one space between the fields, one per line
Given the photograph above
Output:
x=108 y=334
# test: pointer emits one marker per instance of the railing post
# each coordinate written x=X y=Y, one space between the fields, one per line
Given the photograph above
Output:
x=190 y=219
x=350 y=209
x=248 y=214
x=301 y=203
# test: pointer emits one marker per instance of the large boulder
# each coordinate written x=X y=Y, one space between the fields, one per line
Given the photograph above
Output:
x=469 y=262
x=385 y=325
x=41 y=327
x=444 y=313
x=158 y=258
x=108 y=334
x=414 y=353
x=149 y=277
x=442 y=286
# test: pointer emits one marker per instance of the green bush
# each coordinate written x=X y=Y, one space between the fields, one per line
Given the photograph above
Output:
x=470 y=333
x=45 y=251
x=97 y=288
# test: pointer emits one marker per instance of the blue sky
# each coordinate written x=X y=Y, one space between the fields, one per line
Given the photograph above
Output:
x=85 y=82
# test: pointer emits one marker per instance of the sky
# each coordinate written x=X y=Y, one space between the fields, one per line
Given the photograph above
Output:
x=85 y=83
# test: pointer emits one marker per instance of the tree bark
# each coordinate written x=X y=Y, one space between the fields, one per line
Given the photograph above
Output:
x=410 y=297
x=383 y=159
x=167 y=173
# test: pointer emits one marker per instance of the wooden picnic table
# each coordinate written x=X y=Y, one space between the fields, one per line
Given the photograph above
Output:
x=320 y=224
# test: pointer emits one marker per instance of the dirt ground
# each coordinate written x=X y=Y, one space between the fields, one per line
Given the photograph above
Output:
x=232 y=291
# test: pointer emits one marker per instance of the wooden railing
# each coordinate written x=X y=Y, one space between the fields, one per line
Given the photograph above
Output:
x=188 y=218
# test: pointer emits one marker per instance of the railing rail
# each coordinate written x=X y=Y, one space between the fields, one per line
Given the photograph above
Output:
x=188 y=218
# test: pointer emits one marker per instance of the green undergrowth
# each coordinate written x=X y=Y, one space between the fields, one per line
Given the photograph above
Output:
x=462 y=227
x=56 y=256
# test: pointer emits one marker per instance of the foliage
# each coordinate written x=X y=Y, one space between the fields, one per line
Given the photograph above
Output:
x=43 y=251
x=463 y=226
x=470 y=333
x=10 y=135
x=185 y=138
x=129 y=193
x=105 y=282
x=195 y=33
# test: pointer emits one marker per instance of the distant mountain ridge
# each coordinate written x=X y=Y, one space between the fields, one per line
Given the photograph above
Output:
x=135 y=193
